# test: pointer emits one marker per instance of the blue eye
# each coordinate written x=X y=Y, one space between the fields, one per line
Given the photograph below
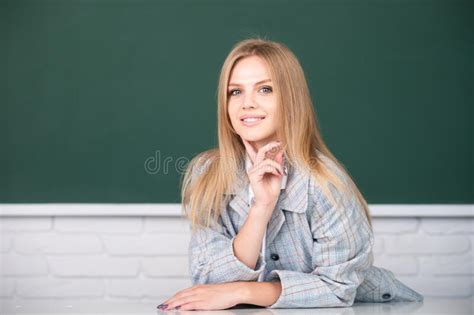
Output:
x=231 y=92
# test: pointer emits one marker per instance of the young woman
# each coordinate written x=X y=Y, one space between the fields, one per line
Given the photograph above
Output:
x=276 y=220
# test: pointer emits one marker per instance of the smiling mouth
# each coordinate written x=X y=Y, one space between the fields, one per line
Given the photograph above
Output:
x=249 y=122
x=252 y=119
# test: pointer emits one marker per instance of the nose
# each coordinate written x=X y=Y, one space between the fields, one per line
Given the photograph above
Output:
x=248 y=101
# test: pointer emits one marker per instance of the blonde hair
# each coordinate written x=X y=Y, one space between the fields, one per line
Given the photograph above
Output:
x=203 y=192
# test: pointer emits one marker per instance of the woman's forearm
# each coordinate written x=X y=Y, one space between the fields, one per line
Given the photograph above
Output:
x=248 y=242
x=260 y=293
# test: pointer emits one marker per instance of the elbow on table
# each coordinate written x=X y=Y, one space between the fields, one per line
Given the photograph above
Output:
x=347 y=298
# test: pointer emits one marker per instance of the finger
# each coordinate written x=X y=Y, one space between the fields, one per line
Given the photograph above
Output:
x=262 y=170
x=180 y=294
x=193 y=297
x=273 y=163
x=263 y=150
x=196 y=305
x=280 y=158
x=273 y=152
x=250 y=150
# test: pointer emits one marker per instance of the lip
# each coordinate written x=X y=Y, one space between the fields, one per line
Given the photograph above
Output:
x=251 y=116
x=251 y=123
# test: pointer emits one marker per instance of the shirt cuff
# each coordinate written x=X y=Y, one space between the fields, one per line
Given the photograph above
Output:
x=302 y=290
x=245 y=272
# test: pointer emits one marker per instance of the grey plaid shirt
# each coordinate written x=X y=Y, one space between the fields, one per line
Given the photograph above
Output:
x=322 y=255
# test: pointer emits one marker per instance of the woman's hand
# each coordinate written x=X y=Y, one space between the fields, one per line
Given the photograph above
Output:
x=205 y=297
x=266 y=174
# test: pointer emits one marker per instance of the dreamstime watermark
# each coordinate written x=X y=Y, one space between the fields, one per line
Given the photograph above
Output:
x=164 y=165
x=154 y=165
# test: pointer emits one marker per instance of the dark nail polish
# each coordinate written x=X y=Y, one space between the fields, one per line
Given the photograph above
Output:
x=162 y=306
x=177 y=307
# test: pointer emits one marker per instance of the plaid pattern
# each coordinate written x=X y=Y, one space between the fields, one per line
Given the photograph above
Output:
x=322 y=255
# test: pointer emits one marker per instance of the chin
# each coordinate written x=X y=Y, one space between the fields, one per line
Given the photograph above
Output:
x=251 y=136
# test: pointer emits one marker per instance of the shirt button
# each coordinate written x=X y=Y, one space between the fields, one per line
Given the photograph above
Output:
x=386 y=296
x=275 y=256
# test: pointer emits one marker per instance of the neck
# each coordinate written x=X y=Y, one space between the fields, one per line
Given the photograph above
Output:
x=257 y=145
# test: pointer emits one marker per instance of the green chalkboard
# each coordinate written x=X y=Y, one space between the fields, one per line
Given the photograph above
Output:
x=92 y=91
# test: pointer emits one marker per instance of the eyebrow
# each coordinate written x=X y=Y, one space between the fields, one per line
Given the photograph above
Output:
x=259 y=82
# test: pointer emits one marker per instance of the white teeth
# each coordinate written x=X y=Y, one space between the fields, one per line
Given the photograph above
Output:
x=252 y=119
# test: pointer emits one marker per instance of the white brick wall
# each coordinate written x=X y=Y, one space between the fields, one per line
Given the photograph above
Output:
x=143 y=259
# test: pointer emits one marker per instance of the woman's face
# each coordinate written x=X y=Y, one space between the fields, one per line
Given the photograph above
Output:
x=250 y=93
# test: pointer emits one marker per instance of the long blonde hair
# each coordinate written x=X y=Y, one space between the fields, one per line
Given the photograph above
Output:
x=203 y=192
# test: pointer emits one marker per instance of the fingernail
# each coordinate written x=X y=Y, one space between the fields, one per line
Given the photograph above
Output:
x=162 y=306
x=177 y=307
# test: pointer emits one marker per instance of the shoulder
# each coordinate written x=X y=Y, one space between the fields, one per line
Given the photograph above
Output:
x=318 y=179
x=323 y=193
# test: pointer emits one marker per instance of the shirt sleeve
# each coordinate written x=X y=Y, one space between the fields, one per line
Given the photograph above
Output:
x=341 y=254
x=212 y=260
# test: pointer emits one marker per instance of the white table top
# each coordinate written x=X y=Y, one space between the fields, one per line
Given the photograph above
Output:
x=428 y=306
